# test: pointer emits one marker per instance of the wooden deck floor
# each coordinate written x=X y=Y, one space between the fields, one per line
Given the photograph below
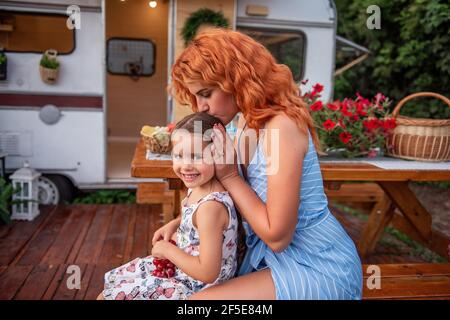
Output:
x=35 y=256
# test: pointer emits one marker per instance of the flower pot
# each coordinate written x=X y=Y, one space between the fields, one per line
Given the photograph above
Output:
x=49 y=76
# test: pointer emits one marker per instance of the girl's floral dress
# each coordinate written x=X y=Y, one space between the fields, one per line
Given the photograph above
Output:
x=134 y=280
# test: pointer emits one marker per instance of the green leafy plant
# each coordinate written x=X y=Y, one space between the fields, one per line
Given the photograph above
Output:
x=6 y=192
x=46 y=62
x=107 y=197
x=199 y=17
x=2 y=57
x=408 y=54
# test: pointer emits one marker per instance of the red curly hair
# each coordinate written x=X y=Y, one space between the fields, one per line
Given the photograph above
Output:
x=240 y=66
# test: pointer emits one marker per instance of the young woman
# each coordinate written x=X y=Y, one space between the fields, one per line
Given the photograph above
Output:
x=296 y=249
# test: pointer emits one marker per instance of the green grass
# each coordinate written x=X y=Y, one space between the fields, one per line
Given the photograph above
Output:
x=417 y=250
x=107 y=197
x=438 y=184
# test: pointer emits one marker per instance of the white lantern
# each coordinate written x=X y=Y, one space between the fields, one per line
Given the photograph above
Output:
x=26 y=180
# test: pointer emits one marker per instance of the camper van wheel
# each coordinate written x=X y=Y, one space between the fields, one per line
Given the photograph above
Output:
x=54 y=189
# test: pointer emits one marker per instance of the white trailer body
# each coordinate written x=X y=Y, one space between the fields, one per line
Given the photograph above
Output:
x=76 y=147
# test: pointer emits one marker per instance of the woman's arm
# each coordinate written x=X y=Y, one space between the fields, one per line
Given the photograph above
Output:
x=211 y=218
x=274 y=221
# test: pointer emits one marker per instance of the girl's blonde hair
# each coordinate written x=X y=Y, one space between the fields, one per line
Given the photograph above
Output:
x=244 y=68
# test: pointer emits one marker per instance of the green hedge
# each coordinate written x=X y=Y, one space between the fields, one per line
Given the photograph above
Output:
x=410 y=53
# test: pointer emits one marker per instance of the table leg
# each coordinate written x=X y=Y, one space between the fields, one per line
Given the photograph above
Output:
x=379 y=218
x=176 y=185
x=397 y=195
x=413 y=211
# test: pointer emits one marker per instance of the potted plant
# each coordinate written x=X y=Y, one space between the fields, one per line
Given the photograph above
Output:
x=351 y=127
x=3 y=65
x=49 y=66
x=6 y=193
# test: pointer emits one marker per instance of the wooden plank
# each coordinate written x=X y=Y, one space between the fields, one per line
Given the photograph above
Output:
x=141 y=231
x=93 y=242
x=11 y=280
x=412 y=269
x=37 y=247
x=89 y=216
x=353 y=171
x=154 y=223
x=60 y=249
x=356 y=192
x=55 y=283
x=37 y=282
x=130 y=234
x=63 y=292
x=410 y=287
x=85 y=281
x=114 y=245
x=97 y=281
x=3 y=268
x=21 y=232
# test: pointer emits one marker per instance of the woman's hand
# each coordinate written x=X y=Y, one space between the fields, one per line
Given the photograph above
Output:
x=166 y=232
x=224 y=155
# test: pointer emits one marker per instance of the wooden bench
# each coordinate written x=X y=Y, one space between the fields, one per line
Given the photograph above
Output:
x=408 y=282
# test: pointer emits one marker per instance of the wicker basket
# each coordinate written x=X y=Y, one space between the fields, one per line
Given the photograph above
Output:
x=49 y=76
x=153 y=145
x=420 y=139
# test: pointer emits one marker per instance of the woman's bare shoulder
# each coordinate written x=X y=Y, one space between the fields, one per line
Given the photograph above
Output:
x=288 y=131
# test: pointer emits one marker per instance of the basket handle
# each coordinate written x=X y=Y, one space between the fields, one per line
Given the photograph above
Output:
x=51 y=53
x=415 y=95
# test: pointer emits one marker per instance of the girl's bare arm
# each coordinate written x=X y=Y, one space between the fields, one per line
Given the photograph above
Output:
x=211 y=218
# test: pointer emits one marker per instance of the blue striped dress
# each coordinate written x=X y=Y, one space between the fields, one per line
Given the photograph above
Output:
x=321 y=262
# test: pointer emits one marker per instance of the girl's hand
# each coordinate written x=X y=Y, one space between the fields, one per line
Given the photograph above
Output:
x=166 y=232
x=224 y=155
x=160 y=248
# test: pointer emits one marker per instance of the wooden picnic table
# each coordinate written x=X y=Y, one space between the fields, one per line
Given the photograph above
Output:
x=399 y=204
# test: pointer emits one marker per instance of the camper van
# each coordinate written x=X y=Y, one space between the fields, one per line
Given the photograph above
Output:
x=114 y=66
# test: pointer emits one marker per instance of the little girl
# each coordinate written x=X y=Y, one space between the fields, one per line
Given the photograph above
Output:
x=206 y=234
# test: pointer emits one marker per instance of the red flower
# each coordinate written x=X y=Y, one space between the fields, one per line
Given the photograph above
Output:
x=318 y=88
x=389 y=124
x=333 y=106
x=316 y=106
x=344 y=108
x=379 y=98
x=360 y=108
x=342 y=124
x=345 y=137
x=371 y=124
x=329 y=124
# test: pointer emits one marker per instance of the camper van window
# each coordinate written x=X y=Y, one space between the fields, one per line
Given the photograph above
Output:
x=35 y=32
x=288 y=47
